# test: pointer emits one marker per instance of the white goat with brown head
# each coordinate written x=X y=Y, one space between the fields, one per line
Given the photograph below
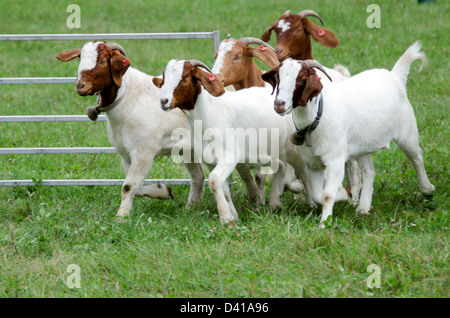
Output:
x=352 y=119
x=137 y=127
x=294 y=32
x=235 y=65
x=204 y=100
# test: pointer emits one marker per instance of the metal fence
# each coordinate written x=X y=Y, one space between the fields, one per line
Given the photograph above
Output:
x=214 y=35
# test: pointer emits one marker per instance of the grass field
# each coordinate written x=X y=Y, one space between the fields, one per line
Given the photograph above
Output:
x=165 y=250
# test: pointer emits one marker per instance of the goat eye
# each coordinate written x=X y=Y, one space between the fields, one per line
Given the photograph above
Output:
x=236 y=58
x=102 y=62
x=298 y=31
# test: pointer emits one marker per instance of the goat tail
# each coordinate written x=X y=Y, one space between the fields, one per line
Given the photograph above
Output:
x=401 y=68
x=342 y=69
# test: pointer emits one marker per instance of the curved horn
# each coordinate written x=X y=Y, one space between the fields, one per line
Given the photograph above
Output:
x=314 y=63
x=250 y=40
x=115 y=46
x=287 y=12
x=307 y=13
x=201 y=64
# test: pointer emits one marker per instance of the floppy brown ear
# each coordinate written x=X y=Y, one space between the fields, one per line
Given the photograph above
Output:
x=271 y=77
x=119 y=65
x=158 y=81
x=311 y=90
x=266 y=35
x=267 y=56
x=322 y=35
x=68 y=55
x=209 y=82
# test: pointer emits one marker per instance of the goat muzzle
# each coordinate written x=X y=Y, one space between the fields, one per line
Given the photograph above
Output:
x=280 y=107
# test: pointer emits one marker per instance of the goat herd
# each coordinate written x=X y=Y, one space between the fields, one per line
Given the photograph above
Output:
x=335 y=120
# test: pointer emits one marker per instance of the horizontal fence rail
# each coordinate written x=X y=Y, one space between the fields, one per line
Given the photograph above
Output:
x=37 y=80
x=90 y=182
x=214 y=35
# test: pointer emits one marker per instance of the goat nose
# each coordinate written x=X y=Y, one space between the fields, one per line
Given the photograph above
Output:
x=278 y=51
x=164 y=102
x=279 y=106
x=80 y=85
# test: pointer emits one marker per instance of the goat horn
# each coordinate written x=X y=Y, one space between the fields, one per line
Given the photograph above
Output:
x=198 y=63
x=314 y=63
x=307 y=13
x=250 y=40
x=288 y=12
x=115 y=46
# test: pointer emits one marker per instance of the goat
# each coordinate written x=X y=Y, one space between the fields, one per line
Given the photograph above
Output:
x=294 y=33
x=137 y=127
x=358 y=117
x=234 y=65
x=203 y=99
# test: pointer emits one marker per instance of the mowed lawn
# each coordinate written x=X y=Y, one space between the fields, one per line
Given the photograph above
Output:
x=166 y=250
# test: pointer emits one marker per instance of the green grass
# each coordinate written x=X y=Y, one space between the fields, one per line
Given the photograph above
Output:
x=165 y=250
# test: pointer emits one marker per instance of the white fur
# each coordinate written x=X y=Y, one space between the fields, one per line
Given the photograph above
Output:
x=175 y=69
x=360 y=116
x=225 y=47
x=88 y=57
x=283 y=25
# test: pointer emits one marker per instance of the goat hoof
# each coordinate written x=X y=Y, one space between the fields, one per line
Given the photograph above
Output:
x=428 y=192
x=231 y=224
x=362 y=211
x=122 y=213
x=120 y=219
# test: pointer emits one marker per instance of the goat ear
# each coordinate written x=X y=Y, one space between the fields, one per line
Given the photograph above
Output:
x=323 y=36
x=209 y=82
x=119 y=65
x=271 y=77
x=311 y=90
x=266 y=35
x=68 y=55
x=158 y=81
x=268 y=56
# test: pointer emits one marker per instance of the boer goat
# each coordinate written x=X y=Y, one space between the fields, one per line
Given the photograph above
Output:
x=137 y=127
x=294 y=33
x=234 y=65
x=352 y=119
x=203 y=99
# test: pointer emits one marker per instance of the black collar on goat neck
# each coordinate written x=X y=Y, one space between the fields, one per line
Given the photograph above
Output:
x=298 y=137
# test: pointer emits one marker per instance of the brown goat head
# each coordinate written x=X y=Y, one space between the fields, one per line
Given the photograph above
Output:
x=294 y=33
x=182 y=82
x=101 y=68
x=235 y=63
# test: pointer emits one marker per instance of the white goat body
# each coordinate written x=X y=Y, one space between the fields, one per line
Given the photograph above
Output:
x=360 y=116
